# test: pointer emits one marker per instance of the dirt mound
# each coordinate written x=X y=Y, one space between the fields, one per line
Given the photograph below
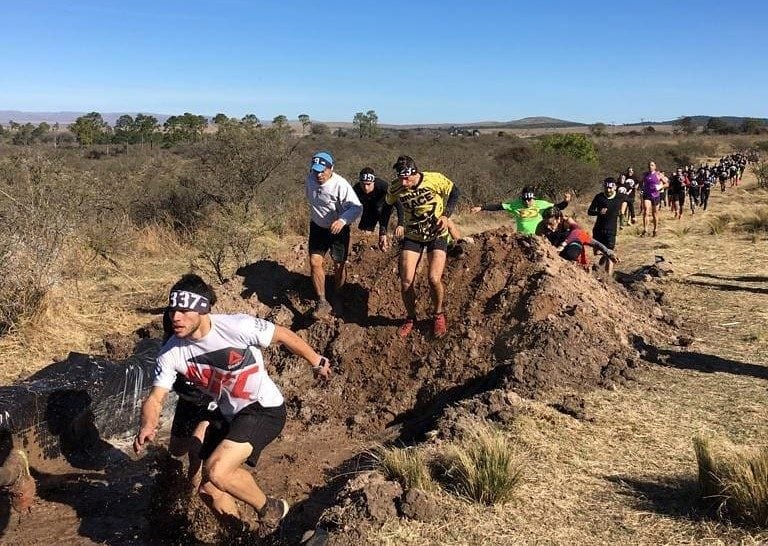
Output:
x=519 y=317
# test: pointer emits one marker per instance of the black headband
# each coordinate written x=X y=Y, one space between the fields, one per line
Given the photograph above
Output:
x=368 y=177
x=182 y=300
x=406 y=171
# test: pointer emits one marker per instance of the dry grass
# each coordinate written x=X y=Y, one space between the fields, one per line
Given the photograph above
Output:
x=95 y=297
x=484 y=467
x=735 y=477
x=407 y=465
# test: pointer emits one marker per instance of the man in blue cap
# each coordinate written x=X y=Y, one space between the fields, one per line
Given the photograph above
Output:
x=333 y=207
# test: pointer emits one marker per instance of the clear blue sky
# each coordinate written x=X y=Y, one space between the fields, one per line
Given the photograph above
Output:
x=410 y=61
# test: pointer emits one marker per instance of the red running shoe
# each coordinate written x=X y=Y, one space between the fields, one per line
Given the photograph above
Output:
x=406 y=327
x=440 y=327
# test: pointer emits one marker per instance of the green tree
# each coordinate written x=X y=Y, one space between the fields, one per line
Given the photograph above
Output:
x=718 y=126
x=685 y=125
x=280 y=121
x=90 y=129
x=305 y=122
x=251 y=122
x=752 y=126
x=598 y=129
x=366 y=124
x=145 y=128
x=577 y=146
x=185 y=128
x=218 y=119
x=124 y=129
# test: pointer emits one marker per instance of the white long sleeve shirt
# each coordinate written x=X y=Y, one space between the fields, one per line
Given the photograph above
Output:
x=331 y=201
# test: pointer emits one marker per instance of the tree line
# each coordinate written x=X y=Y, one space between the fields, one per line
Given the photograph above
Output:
x=145 y=129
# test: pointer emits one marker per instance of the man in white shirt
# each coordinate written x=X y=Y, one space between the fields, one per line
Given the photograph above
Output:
x=333 y=207
x=221 y=356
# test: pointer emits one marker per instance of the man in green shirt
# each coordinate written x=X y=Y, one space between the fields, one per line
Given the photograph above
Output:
x=526 y=210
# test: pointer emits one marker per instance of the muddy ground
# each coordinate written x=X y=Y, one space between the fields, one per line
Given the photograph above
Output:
x=520 y=320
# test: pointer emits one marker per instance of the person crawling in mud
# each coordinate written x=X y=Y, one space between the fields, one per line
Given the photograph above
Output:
x=526 y=210
x=221 y=355
x=428 y=200
x=565 y=234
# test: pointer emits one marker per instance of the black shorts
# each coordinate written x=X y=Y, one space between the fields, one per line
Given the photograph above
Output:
x=254 y=424
x=321 y=240
x=654 y=201
x=439 y=243
x=608 y=238
x=189 y=414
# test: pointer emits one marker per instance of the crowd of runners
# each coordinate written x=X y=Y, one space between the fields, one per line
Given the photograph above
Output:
x=229 y=409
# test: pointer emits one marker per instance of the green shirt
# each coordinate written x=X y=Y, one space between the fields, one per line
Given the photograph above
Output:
x=527 y=217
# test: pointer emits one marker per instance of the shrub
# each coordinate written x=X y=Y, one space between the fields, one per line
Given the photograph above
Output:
x=406 y=465
x=574 y=145
x=756 y=221
x=736 y=478
x=484 y=466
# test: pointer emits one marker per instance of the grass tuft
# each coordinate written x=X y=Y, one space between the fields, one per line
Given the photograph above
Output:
x=406 y=465
x=484 y=466
x=737 y=477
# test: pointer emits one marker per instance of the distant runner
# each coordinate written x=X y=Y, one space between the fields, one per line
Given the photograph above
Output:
x=606 y=205
x=653 y=183
x=526 y=210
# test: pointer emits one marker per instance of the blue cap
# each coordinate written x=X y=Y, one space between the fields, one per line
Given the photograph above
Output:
x=321 y=160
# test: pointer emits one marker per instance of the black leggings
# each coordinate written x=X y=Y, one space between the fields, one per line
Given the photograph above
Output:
x=704 y=197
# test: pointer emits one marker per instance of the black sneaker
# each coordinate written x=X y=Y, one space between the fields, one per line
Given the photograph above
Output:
x=273 y=512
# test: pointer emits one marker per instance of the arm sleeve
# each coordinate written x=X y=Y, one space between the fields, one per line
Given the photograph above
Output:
x=399 y=210
x=562 y=204
x=165 y=370
x=600 y=246
x=593 y=209
x=453 y=198
x=492 y=206
x=351 y=209
x=386 y=213
x=256 y=331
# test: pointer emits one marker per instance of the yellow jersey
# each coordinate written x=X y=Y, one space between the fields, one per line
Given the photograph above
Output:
x=422 y=205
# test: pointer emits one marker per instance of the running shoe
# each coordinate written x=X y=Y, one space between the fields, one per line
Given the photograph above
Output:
x=440 y=326
x=273 y=512
x=406 y=327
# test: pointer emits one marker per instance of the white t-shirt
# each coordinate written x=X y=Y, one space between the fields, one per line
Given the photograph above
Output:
x=226 y=363
x=333 y=200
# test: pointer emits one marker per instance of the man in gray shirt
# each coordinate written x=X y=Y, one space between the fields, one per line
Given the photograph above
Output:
x=333 y=207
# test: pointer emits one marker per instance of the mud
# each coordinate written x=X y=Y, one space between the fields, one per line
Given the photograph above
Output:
x=522 y=322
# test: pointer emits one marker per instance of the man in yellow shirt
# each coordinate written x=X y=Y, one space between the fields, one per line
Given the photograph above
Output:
x=427 y=200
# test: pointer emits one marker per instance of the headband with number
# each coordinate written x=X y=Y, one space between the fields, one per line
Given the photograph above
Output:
x=181 y=300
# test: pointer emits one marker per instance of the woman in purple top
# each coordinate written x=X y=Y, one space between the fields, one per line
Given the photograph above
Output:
x=653 y=182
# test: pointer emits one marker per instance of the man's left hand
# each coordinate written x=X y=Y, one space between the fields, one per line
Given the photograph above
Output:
x=442 y=223
x=568 y=196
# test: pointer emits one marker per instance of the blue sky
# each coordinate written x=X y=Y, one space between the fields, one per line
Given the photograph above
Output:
x=410 y=61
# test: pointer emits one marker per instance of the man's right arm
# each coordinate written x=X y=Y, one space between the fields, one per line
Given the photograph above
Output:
x=150 y=417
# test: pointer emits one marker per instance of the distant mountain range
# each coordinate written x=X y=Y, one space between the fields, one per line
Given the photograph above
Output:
x=537 y=122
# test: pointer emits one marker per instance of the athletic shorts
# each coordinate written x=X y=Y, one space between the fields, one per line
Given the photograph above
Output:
x=254 y=424
x=189 y=414
x=439 y=243
x=608 y=238
x=654 y=201
x=321 y=240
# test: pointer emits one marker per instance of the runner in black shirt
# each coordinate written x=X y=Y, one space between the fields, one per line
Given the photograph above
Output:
x=372 y=192
x=607 y=207
x=677 y=186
